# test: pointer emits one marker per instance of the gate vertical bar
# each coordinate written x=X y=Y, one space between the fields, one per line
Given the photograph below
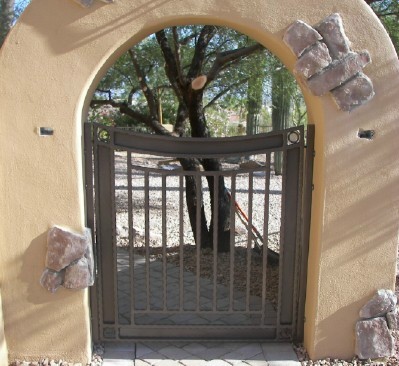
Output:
x=181 y=242
x=292 y=177
x=89 y=189
x=104 y=226
x=198 y=184
x=147 y=237
x=265 y=234
x=164 y=243
x=250 y=238
x=306 y=215
x=131 y=235
x=232 y=239
x=217 y=179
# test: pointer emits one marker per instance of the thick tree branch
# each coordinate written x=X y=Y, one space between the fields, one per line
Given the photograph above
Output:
x=137 y=116
x=181 y=119
x=176 y=43
x=224 y=59
x=148 y=93
x=106 y=91
x=171 y=65
x=225 y=91
x=205 y=37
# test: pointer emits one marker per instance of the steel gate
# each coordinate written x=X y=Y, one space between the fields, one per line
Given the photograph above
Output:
x=152 y=280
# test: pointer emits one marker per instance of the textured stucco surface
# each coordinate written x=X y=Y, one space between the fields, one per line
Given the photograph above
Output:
x=49 y=66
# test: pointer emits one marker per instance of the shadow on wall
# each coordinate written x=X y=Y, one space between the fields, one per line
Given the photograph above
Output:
x=49 y=315
x=66 y=24
x=360 y=222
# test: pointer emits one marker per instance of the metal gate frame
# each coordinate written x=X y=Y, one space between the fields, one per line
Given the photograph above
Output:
x=101 y=142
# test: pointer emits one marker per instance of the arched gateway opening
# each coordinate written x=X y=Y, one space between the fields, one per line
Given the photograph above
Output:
x=354 y=221
x=201 y=237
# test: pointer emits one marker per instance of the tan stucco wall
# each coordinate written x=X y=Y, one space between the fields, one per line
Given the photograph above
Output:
x=50 y=65
x=3 y=344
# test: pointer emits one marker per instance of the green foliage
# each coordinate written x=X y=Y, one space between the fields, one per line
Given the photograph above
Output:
x=242 y=88
x=388 y=12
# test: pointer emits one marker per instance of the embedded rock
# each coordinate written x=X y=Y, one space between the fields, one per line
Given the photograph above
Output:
x=339 y=72
x=89 y=255
x=373 y=339
x=393 y=319
x=383 y=302
x=77 y=275
x=51 y=280
x=64 y=247
x=354 y=93
x=313 y=61
x=332 y=31
x=299 y=36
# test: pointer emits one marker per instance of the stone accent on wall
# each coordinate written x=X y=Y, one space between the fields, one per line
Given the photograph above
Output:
x=77 y=275
x=383 y=302
x=64 y=247
x=52 y=280
x=87 y=3
x=326 y=62
x=373 y=339
x=373 y=332
x=69 y=260
x=300 y=36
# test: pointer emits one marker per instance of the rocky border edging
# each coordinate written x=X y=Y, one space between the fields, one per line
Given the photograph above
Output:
x=326 y=62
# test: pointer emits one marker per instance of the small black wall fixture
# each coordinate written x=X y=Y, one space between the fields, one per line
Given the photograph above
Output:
x=366 y=134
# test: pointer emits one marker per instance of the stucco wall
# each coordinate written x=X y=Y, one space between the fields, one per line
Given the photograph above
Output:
x=3 y=344
x=49 y=66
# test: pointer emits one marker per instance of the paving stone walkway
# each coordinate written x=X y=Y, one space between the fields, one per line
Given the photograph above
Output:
x=199 y=354
x=165 y=289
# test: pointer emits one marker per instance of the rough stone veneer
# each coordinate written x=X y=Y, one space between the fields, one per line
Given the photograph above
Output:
x=327 y=64
x=373 y=332
x=69 y=260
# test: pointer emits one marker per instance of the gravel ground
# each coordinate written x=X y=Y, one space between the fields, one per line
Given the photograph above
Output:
x=172 y=216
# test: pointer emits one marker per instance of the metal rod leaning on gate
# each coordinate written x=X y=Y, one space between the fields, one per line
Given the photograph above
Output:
x=255 y=232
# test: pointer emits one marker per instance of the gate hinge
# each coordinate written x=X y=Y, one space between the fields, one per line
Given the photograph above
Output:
x=312 y=187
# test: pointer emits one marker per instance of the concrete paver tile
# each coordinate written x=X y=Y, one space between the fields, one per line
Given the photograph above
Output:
x=141 y=363
x=167 y=363
x=279 y=352
x=256 y=362
x=174 y=353
x=113 y=362
x=196 y=349
x=193 y=362
x=218 y=363
x=142 y=350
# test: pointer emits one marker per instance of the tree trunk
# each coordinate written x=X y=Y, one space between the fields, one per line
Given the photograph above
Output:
x=222 y=204
x=199 y=128
x=193 y=197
